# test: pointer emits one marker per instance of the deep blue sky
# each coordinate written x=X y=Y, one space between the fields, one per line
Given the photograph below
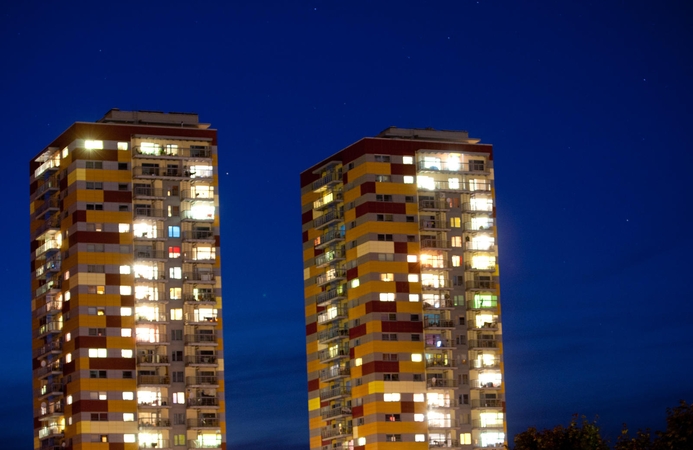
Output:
x=588 y=105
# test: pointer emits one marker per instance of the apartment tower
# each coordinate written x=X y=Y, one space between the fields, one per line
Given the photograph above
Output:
x=126 y=289
x=403 y=329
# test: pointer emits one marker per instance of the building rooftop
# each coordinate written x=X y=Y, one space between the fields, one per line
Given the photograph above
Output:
x=176 y=119
x=427 y=134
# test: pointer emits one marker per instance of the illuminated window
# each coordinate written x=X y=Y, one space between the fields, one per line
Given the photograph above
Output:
x=125 y=290
x=387 y=296
x=358 y=362
x=126 y=353
x=416 y=357
x=387 y=277
x=174 y=232
x=407 y=160
x=179 y=398
x=68 y=337
x=126 y=332
x=466 y=438
x=419 y=418
x=355 y=283
x=65 y=152
x=412 y=258
x=454 y=162
x=413 y=297
x=424 y=182
x=455 y=222
x=98 y=353
x=122 y=145
x=457 y=241
x=68 y=358
x=408 y=179
x=124 y=270
x=456 y=260
x=392 y=397
x=67 y=296
x=125 y=311
x=69 y=399
x=177 y=314
x=382 y=178
x=128 y=395
x=453 y=183
x=413 y=278
x=128 y=417
x=123 y=228
x=174 y=252
x=419 y=438
x=361 y=441
x=129 y=438
x=175 y=293
x=93 y=145
x=419 y=398
x=175 y=273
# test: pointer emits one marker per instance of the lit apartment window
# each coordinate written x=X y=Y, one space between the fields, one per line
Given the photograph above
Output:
x=93 y=145
x=392 y=397
x=387 y=277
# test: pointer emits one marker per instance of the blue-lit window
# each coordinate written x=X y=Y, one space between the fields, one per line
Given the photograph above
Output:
x=173 y=232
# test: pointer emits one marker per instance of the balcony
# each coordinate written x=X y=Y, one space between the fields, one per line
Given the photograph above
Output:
x=155 y=422
x=200 y=255
x=336 y=430
x=201 y=360
x=439 y=423
x=52 y=327
x=330 y=179
x=199 y=277
x=334 y=393
x=490 y=445
x=487 y=424
x=439 y=383
x=200 y=299
x=441 y=344
x=442 y=404
x=51 y=205
x=199 y=235
x=55 y=347
x=447 y=443
x=147 y=193
x=332 y=314
x=151 y=318
x=488 y=403
x=478 y=207
x=54 y=368
x=331 y=413
x=332 y=333
x=487 y=266
x=428 y=285
x=149 y=254
x=51 y=225
x=50 y=389
x=433 y=205
x=436 y=165
x=331 y=237
x=201 y=318
x=328 y=219
x=480 y=285
x=330 y=257
x=437 y=244
x=171 y=173
x=330 y=198
x=440 y=364
x=491 y=325
x=52 y=411
x=481 y=364
x=334 y=373
x=434 y=225
x=51 y=284
x=160 y=444
x=331 y=295
x=331 y=276
x=433 y=324
x=476 y=344
x=486 y=225
x=50 y=184
x=206 y=445
x=152 y=360
x=479 y=247
x=202 y=195
x=205 y=422
x=202 y=381
x=334 y=353
x=192 y=215
x=434 y=264
x=47 y=432
x=442 y=304
x=47 y=246
x=203 y=402
x=478 y=384
x=153 y=404
x=140 y=213
x=152 y=380
x=490 y=304
x=205 y=339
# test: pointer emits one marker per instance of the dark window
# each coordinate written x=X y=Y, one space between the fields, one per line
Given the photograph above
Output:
x=177 y=356
x=127 y=374
x=123 y=208
x=176 y=335
x=122 y=187
x=393 y=417
x=122 y=166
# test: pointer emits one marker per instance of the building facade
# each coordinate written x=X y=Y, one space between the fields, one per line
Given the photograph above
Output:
x=403 y=329
x=126 y=287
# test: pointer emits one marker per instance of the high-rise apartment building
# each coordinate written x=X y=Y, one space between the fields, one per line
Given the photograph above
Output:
x=403 y=330
x=126 y=308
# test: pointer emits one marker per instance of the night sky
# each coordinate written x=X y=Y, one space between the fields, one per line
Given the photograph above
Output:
x=587 y=103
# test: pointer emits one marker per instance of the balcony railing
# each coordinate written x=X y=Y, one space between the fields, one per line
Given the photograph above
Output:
x=490 y=304
x=487 y=424
x=197 y=216
x=154 y=423
x=330 y=256
x=434 y=205
x=489 y=266
x=159 y=444
x=438 y=323
x=149 y=213
x=336 y=430
x=198 y=235
x=327 y=219
x=329 y=179
x=432 y=364
x=447 y=443
x=483 y=226
x=201 y=360
x=479 y=247
x=442 y=404
x=334 y=353
x=202 y=195
x=441 y=383
x=169 y=152
x=54 y=368
x=47 y=432
x=206 y=380
x=199 y=277
x=201 y=318
x=151 y=318
x=153 y=379
x=143 y=254
x=330 y=295
x=147 y=192
x=329 y=412
x=203 y=402
x=206 y=422
x=51 y=183
x=53 y=283
x=160 y=172
x=201 y=339
x=436 y=284
x=48 y=328
x=152 y=359
x=440 y=343
x=485 y=363
x=478 y=207
x=199 y=298
x=478 y=384
x=483 y=343
x=442 y=244
x=334 y=392
x=426 y=224
x=328 y=238
x=51 y=244
x=332 y=315
x=492 y=325
x=327 y=200
x=481 y=285
x=52 y=306
x=206 y=445
x=333 y=373
x=425 y=165
x=332 y=333
x=488 y=403
x=438 y=304
x=53 y=347
x=51 y=204
x=51 y=389
x=156 y=403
